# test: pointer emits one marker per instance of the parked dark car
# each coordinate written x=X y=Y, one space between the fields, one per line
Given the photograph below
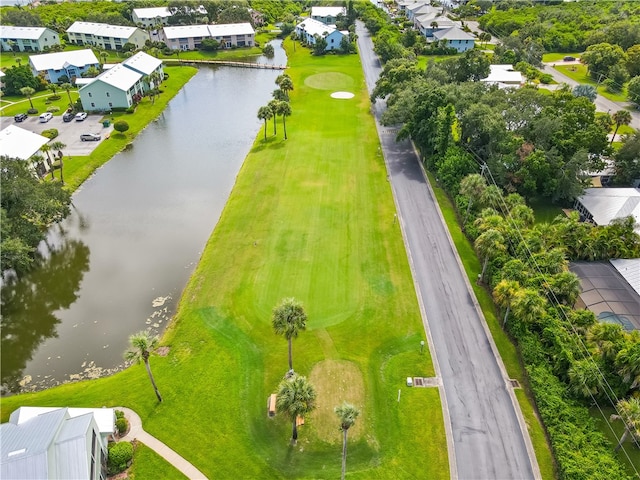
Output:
x=68 y=116
x=21 y=117
x=90 y=137
x=569 y=58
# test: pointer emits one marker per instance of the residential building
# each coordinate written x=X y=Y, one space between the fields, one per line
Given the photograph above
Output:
x=145 y=65
x=72 y=64
x=416 y=9
x=504 y=76
x=403 y=4
x=27 y=39
x=602 y=205
x=309 y=28
x=429 y=23
x=455 y=38
x=327 y=15
x=108 y=37
x=117 y=87
x=189 y=37
x=151 y=17
x=16 y=142
x=54 y=443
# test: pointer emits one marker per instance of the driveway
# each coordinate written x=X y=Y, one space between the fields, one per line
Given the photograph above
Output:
x=487 y=435
x=68 y=132
x=602 y=104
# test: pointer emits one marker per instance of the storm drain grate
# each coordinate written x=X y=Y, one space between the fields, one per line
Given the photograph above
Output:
x=514 y=383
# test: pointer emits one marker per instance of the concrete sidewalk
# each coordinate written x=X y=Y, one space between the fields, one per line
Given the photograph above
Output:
x=136 y=432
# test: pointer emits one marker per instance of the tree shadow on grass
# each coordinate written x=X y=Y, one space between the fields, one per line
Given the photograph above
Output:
x=271 y=143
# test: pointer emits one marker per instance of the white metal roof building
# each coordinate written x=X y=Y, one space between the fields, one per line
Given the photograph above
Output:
x=629 y=269
x=149 y=17
x=327 y=15
x=309 y=28
x=50 y=443
x=602 y=205
x=16 y=142
x=71 y=63
x=455 y=38
x=503 y=76
x=143 y=63
x=103 y=35
x=27 y=39
x=114 y=88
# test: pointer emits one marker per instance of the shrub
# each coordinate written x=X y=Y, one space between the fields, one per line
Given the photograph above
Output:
x=119 y=414
x=53 y=98
x=121 y=126
x=120 y=454
x=122 y=425
x=53 y=109
x=32 y=111
x=546 y=78
x=50 y=133
x=131 y=109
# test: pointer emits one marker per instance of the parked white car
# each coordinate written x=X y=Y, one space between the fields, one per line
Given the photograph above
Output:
x=45 y=117
x=81 y=116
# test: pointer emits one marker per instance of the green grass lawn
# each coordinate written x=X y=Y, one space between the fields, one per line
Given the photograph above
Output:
x=629 y=454
x=545 y=211
x=503 y=343
x=309 y=217
x=424 y=59
x=579 y=73
x=557 y=57
x=41 y=102
x=148 y=464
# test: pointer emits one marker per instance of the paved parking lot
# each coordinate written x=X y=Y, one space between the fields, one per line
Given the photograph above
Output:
x=69 y=132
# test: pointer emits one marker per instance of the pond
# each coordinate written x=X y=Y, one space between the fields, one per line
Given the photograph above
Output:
x=119 y=262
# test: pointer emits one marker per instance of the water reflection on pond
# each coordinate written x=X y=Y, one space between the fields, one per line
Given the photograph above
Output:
x=120 y=261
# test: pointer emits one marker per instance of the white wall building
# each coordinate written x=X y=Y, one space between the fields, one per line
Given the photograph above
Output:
x=70 y=63
x=327 y=15
x=189 y=37
x=16 y=142
x=309 y=28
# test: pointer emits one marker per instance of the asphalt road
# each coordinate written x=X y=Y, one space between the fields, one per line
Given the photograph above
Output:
x=602 y=104
x=483 y=420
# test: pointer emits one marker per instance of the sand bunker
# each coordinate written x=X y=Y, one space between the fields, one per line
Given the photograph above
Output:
x=342 y=95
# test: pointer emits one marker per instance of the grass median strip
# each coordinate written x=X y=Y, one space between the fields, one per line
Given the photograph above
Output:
x=311 y=217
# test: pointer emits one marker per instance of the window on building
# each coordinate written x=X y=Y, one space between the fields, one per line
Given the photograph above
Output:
x=90 y=94
x=93 y=104
x=108 y=94
x=110 y=104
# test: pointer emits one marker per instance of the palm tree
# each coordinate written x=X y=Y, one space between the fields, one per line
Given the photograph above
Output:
x=53 y=87
x=528 y=305
x=286 y=85
x=284 y=109
x=46 y=148
x=621 y=117
x=296 y=397
x=585 y=377
x=630 y=414
x=488 y=245
x=67 y=88
x=58 y=146
x=288 y=320
x=265 y=113
x=104 y=56
x=273 y=105
x=565 y=287
x=628 y=364
x=28 y=92
x=143 y=344
x=504 y=293
x=347 y=414
x=472 y=186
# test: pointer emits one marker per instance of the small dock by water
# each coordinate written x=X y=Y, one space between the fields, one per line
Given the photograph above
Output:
x=225 y=63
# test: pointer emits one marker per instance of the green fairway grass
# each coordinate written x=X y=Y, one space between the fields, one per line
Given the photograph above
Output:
x=147 y=464
x=310 y=217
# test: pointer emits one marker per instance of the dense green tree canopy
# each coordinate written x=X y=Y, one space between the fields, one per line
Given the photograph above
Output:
x=29 y=206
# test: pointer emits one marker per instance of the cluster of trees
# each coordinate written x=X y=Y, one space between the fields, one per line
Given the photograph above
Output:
x=572 y=359
x=28 y=207
x=278 y=106
x=537 y=145
x=610 y=64
x=296 y=396
x=563 y=27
